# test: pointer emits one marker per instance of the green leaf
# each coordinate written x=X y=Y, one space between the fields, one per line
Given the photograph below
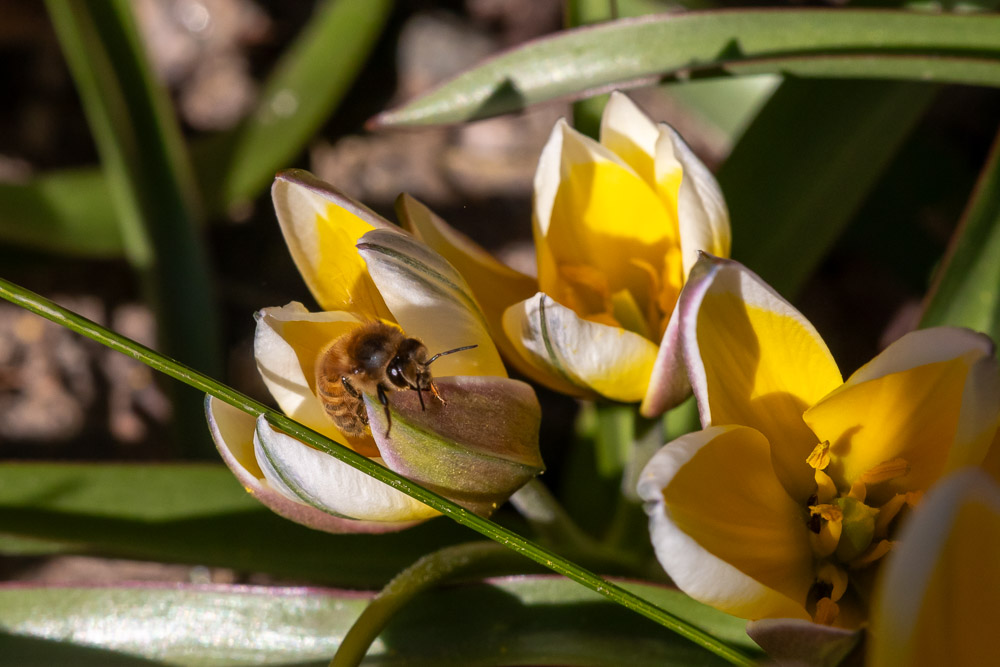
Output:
x=966 y=290
x=827 y=43
x=306 y=85
x=149 y=176
x=68 y=212
x=195 y=514
x=804 y=166
x=522 y=620
x=485 y=527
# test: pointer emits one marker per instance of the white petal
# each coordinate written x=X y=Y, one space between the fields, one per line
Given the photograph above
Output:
x=233 y=432
x=317 y=479
x=624 y=127
x=431 y=301
x=609 y=361
x=701 y=209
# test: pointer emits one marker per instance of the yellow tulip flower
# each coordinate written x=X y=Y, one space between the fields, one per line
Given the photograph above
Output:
x=786 y=502
x=618 y=224
x=362 y=269
x=935 y=600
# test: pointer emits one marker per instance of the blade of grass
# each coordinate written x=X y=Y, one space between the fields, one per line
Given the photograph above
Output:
x=820 y=42
x=806 y=163
x=485 y=527
x=151 y=183
x=966 y=289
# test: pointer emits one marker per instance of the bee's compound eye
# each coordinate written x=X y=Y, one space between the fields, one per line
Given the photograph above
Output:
x=395 y=372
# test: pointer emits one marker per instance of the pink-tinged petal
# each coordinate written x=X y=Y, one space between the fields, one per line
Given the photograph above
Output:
x=233 y=432
x=495 y=285
x=724 y=527
x=754 y=360
x=476 y=447
x=287 y=344
x=932 y=399
x=936 y=599
x=431 y=301
x=629 y=133
x=796 y=642
x=668 y=383
x=702 y=215
x=326 y=484
x=577 y=355
x=321 y=226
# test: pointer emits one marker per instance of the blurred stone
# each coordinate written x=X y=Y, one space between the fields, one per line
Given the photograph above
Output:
x=134 y=398
x=435 y=46
x=517 y=20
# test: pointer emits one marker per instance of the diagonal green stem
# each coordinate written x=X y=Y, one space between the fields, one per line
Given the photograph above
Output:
x=41 y=306
x=479 y=558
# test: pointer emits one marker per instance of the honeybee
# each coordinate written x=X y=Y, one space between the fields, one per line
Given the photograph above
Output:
x=373 y=358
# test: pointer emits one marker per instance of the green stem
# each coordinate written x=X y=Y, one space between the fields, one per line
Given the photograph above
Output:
x=478 y=558
x=485 y=527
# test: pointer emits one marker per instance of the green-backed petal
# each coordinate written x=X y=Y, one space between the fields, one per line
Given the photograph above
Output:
x=936 y=599
x=476 y=447
x=724 y=527
x=495 y=285
x=321 y=226
x=233 y=432
x=668 y=382
x=702 y=215
x=629 y=133
x=431 y=301
x=931 y=398
x=592 y=357
x=287 y=344
x=754 y=360
x=316 y=479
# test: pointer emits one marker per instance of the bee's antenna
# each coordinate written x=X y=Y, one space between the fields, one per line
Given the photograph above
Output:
x=441 y=354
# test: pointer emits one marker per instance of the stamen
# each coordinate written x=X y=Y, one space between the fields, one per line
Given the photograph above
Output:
x=887 y=513
x=827 y=612
x=819 y=457
x=836 y=577
x=886 y=471
x=874 y=552
x=826 y=490
x=859 y=491
x=826 y=524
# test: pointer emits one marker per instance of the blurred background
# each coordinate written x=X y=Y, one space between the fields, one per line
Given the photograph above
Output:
x=66 y=398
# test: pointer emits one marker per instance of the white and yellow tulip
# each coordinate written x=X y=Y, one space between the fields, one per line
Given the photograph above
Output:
x=787 y=501
x=360 y=268
x=618 y=224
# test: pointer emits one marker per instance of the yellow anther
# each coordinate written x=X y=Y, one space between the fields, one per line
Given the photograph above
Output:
x=887 y=513
x=885 y=471
x=836 y=577
x=826 y=525
x=826 y=612
x=826 y=490
x=874 y=552
x=819 y=457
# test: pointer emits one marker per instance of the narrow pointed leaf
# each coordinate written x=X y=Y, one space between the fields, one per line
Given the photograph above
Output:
x=966 y=290
x=829 y=43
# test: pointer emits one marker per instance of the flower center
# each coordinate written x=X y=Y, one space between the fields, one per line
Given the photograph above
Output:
x=847 y=534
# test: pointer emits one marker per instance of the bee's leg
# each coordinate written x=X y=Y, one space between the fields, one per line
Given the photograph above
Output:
x=349 y=388
x=420 y=395
x=384 y=400
x=434 y=391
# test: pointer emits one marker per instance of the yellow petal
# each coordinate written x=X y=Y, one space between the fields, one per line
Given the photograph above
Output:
x=431 y=301
x=931 y=399
x=629 y=133
x=591 y=208
x=723 y=526
x=936 y=599
x=495 y=285
x=321 y=227
x=702 y=215
x=577 y=355
x=287 y=344
x=233 y=431
x=755 y=360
